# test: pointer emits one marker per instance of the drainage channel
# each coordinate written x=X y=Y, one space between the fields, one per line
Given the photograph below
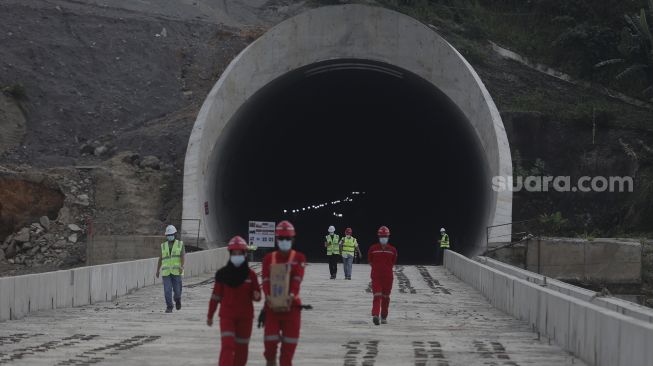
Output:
x=45 y=347
x=16 y=338
x=432 y=282
x=404 y=282
x=422 y=355
x=494 y=350
x=99 y=354
x=371 y=351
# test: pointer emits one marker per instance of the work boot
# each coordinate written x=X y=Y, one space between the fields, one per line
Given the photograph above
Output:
x=271 y=363
x=349 y=278
x=168 y=310
x=375 y=319
x=384 y=321
x=178 y=304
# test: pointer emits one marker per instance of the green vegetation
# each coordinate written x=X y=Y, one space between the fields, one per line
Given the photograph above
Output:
x=572 y=36
x=552 y=224
x=16 y=91
x=636 y=49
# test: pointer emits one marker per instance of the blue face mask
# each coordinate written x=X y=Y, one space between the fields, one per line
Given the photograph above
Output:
x=383 y=240
x=284 y=245
x=237 y=260
x=170 y=237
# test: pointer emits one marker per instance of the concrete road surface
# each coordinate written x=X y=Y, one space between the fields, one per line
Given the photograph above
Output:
x=434 y=320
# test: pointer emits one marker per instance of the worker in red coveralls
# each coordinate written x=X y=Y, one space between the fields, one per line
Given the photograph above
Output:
x=382 y=257
x=283 y=326
x=236 y=286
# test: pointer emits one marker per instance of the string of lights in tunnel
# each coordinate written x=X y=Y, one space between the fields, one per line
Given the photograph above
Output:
x=319 y=206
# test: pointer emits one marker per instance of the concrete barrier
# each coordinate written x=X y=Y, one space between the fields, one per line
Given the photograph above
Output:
x=6 y=298
x=21 y=295
x=597 y=335
x=627 y=308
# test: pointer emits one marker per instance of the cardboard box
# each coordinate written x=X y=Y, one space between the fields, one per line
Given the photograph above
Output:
x=279 y=287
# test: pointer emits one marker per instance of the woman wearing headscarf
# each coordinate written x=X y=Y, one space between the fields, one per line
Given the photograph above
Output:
x=236 y=288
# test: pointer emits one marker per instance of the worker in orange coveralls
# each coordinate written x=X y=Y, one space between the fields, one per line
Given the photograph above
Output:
x=282 y=325
x=235 y=288
x=382 y=257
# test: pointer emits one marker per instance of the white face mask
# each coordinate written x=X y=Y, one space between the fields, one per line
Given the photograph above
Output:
x=383 y=241
x=237 y=260
x=284 y=245
x=348 y=235
x=170 y=237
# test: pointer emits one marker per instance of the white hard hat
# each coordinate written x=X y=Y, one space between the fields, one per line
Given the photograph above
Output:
x=442 y=229
x=171 y=229
x=332 y=229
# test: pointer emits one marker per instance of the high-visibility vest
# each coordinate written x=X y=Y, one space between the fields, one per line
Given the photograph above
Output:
x=444 y=241
x=333 y=244
x=348 y=245
x=171 y=259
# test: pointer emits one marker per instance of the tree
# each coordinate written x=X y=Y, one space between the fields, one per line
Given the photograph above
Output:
x=636 y=49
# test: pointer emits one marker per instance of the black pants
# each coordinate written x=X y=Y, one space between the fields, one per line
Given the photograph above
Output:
x=439 y=256
x=333 y=264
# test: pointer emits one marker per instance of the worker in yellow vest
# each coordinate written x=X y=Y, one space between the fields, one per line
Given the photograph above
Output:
x=348 y=246
x=443 y=244
x=171 y=267
x=332 y=245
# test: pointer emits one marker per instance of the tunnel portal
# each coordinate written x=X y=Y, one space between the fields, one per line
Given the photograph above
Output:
x=403 y=135
x=386 y=144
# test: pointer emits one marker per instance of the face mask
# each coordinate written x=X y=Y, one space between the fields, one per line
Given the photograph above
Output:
x=237 y=260
x=170 y=237
x=383 y=240
x=348 y=236
x=284 y=245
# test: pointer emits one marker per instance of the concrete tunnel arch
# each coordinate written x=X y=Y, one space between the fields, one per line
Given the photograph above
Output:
x=354 y=57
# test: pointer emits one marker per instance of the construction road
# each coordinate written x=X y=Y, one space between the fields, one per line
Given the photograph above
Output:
x=435 y=319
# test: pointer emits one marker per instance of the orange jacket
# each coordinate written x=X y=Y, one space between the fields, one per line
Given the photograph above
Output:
x=382 y=260
x=235 y=301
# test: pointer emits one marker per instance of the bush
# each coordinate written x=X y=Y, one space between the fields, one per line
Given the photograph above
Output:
x=552 y=224
x=16 y=91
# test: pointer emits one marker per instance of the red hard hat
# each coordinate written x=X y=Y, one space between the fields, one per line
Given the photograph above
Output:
x=285 y=229
x=348 y=231
x=383 y=232
x=237 y=243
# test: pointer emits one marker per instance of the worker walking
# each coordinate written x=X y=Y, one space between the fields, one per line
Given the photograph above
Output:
x=332 y=245
x=443 y=244
x=171 y=267
x=382 y=257
x=282 y=324
x=236 y=287
x=348 y=246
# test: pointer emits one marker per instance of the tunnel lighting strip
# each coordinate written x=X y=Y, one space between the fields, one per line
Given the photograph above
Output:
x=325 y=204
x=354 y=66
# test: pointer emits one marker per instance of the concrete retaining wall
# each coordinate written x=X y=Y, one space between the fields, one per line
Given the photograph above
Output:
x=621 y=306
x=601 y=260
x=596 y=335
x=103 y=249
x=22 y=295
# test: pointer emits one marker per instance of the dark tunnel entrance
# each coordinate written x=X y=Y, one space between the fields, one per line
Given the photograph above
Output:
x=320 y=133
